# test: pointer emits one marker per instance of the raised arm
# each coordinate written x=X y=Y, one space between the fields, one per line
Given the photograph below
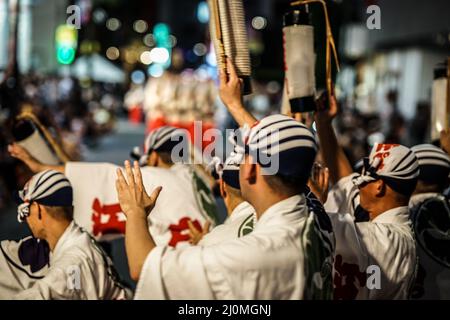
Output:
x=18 y=152
x=445 y=140
x=333 y=154
x=137 y=205
x=231 y=95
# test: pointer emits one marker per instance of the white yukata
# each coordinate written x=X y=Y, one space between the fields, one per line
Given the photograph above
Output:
x=16 y=274
x=78 y=269
x=343 y=196
x=239 y=223
x=387 y=243
x=433 y=276
x=417 y=199
x=268 y=263
x=185 y=196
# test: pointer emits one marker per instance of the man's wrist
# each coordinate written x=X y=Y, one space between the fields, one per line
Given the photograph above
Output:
x=137 y=215
x=324 y=121
x=236 y=105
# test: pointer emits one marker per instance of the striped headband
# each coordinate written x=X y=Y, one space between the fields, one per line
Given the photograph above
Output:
x=434 y=163
x=282 y=146
x=228 y=171
x=49 y=188
x=390 y=161
x=430 y=155
x=162 y=139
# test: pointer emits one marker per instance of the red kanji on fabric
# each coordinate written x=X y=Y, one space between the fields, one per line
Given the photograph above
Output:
x=176 y=230
x=382 y=153
x=112 y=225
x=347 y=279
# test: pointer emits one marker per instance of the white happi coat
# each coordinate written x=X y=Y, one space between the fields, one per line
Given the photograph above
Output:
x=343 y=196
x=433 y=277
x=185 y=196
x=384 y=246
x=418 y=199
x=268 y=263
x=16 y=276
x=78 y=269
x=239 y=223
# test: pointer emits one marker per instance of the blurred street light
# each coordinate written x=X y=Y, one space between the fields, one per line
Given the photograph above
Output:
x=140 y=26
x=156 y=70
x=203 y=12
x=259 y=23
x=146 y=57
x=112 y=53
x=113 y=24
x=159 y=55
x=149 y=40
x=200 y=49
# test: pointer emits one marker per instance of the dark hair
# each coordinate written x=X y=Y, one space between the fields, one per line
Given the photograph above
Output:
x=286 y=184
x=165 y=157
x=404 y=188
x=233 y=191
x=434 y=176
x=60 y=213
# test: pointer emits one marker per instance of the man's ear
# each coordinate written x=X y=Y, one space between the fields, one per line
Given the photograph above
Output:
x=222 y=188
x=39 y=210
x=380 y=187
x=249 y=172
x=153 y=158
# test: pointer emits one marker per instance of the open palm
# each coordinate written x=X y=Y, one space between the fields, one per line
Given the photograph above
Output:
x=133 y=198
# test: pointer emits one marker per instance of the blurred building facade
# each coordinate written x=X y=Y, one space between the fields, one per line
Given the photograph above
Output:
x=400 y=57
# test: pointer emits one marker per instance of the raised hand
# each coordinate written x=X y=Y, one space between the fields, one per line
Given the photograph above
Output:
x=230 y=86
x=18 y=152
x=445 y=140
x=230 y=91
x=326 y=111
x=319 y=181
x=196 y=235
x=133 y=198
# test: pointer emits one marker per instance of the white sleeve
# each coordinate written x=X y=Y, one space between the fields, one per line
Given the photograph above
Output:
x=174 y=274
x=14 y=275
x=52 y=287
x=343 y=196
x=391 y=248
x=386 y=246
x=70 y=279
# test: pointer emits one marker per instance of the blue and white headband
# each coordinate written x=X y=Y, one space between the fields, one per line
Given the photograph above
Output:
x=49 y=188
x=391 y=161
x=282 y=146
x=162 y=139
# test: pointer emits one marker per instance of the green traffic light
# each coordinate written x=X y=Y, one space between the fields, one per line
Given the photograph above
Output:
x=65 y=54
x=66 y=40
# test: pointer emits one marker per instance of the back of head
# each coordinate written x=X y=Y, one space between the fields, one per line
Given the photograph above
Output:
x=434 y=164
x=170 y=143
x=285 y=149
x=228 y=172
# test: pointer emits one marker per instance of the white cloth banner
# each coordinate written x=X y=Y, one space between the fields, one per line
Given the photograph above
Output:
x=185 y=196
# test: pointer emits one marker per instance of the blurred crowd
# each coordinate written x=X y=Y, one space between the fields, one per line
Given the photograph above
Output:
x=77 y=113
x=358 y=132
